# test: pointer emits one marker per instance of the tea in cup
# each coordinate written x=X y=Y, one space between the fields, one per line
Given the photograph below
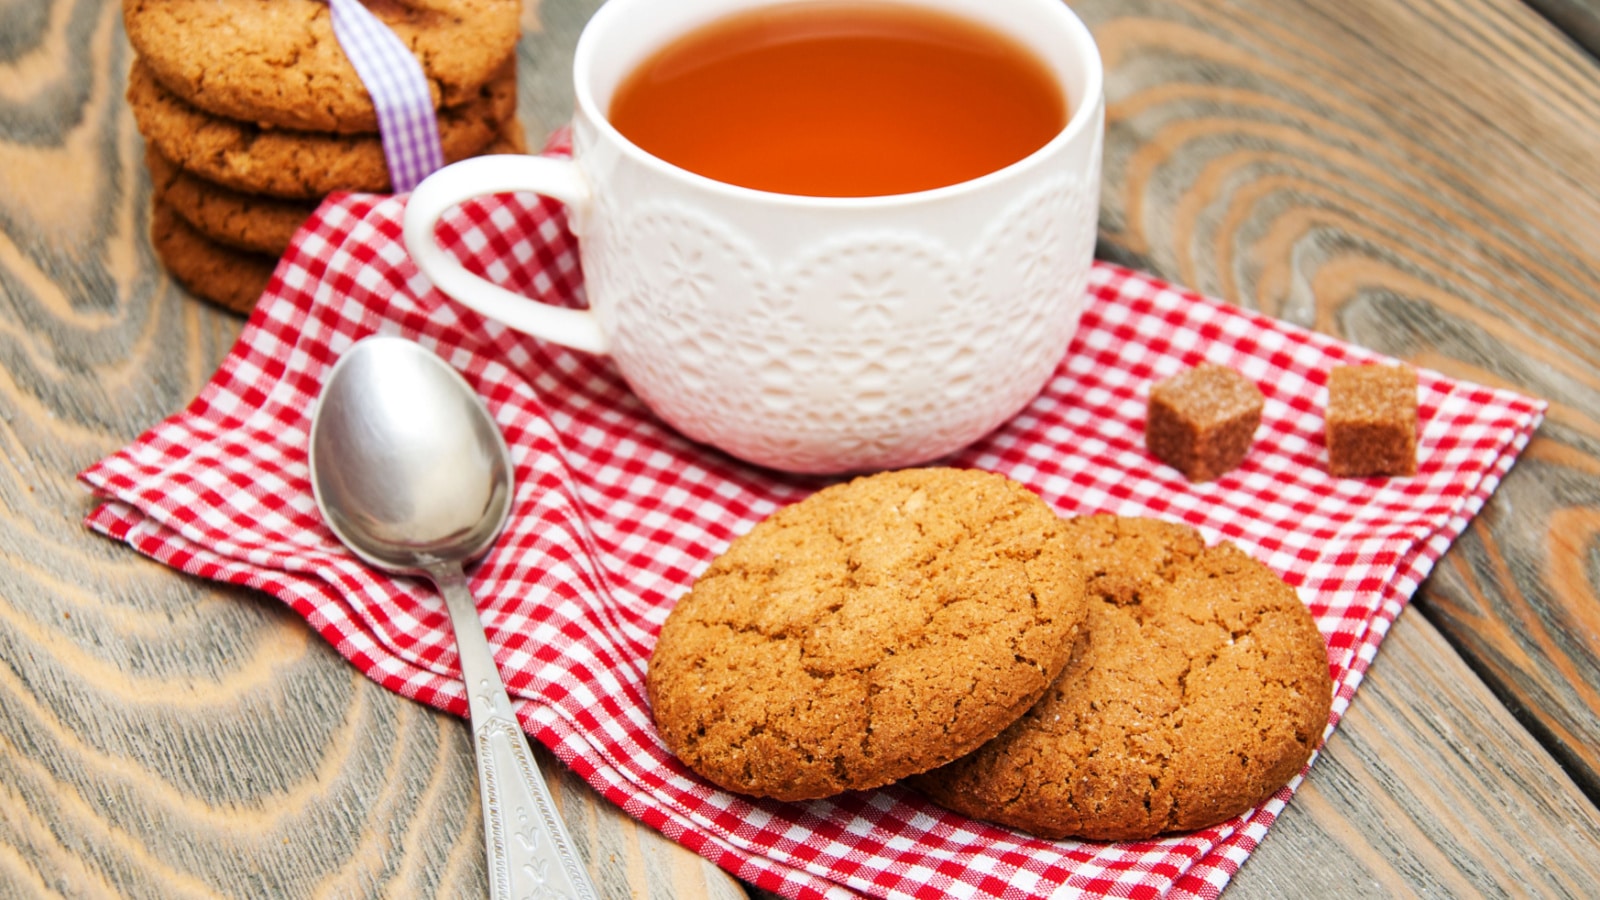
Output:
x=824 y=237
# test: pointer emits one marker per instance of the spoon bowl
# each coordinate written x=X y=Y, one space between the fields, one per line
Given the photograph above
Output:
x=411 y=473
x=408 y=468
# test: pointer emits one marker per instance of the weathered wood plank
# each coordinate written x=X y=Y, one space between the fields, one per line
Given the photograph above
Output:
x=1579 y=19
x=1430 y=787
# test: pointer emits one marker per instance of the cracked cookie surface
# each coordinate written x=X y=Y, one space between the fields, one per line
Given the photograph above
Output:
x=1200 y=687
x=876 y=629
x=277 y=62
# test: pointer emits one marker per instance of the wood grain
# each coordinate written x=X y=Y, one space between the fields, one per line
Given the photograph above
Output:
x=161 y=736
x=1430 y=787
x=1414 y=177
x=1411 y=177
x=1579 y=19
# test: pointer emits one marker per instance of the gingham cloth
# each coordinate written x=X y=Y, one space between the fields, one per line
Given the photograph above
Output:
x=614 y=515
x=399 y=90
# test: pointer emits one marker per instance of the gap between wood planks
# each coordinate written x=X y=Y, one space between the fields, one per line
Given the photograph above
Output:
x=1570 y=763
x=1577 y=19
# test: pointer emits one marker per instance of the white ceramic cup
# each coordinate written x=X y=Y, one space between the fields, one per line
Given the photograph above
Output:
x=809 y=334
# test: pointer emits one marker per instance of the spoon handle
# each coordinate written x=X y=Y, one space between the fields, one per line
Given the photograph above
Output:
x=530 y=853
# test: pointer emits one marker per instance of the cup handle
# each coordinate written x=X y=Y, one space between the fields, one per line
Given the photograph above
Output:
x=559 y=179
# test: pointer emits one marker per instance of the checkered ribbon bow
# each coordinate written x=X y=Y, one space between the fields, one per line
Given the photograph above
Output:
x=614 y=515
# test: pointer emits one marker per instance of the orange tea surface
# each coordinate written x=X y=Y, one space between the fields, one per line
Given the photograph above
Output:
x=841 y=100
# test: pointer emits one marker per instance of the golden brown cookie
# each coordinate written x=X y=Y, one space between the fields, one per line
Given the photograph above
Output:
x=871 y=631
x=277 y=62
x=299 y=165
x=232 y=279
x=1200 y=688
x=254 y=222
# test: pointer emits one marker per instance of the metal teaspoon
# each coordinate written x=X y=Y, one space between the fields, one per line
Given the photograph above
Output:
x=413 y=475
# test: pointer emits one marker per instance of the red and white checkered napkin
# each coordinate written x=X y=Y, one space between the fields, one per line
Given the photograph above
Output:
x=614 y=515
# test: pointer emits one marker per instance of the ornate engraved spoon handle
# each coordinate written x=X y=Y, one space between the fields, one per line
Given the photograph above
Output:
x=530 y=853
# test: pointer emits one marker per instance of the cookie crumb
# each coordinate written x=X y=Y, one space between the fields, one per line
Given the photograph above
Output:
x=1201 y=422
x=1371 y=421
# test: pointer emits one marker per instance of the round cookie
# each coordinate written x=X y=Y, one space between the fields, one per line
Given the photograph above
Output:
x=876 y=629
x=232 y=279
x=254 y=222
x=250 y=222
x=277 y=62
x=299 y=165
x=1201 y=686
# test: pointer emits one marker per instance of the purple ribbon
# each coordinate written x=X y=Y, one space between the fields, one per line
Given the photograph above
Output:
x=399 y=91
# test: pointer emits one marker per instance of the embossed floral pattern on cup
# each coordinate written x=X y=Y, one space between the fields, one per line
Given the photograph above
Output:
x=809 y=334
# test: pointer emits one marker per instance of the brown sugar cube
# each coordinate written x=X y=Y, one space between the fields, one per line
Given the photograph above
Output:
x=1201 y=422
x=1371 y=423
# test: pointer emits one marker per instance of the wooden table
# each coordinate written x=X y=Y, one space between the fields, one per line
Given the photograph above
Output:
x=1419 y=177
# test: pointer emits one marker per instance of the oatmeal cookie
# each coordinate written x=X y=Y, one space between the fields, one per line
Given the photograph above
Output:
x=299 y=165
x=233 y=279
x=1201 y=686
x=877 y=629
x=278 y=63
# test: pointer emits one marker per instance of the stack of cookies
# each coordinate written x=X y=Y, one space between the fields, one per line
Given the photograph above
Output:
x=252 y=114
x=1102 y=677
